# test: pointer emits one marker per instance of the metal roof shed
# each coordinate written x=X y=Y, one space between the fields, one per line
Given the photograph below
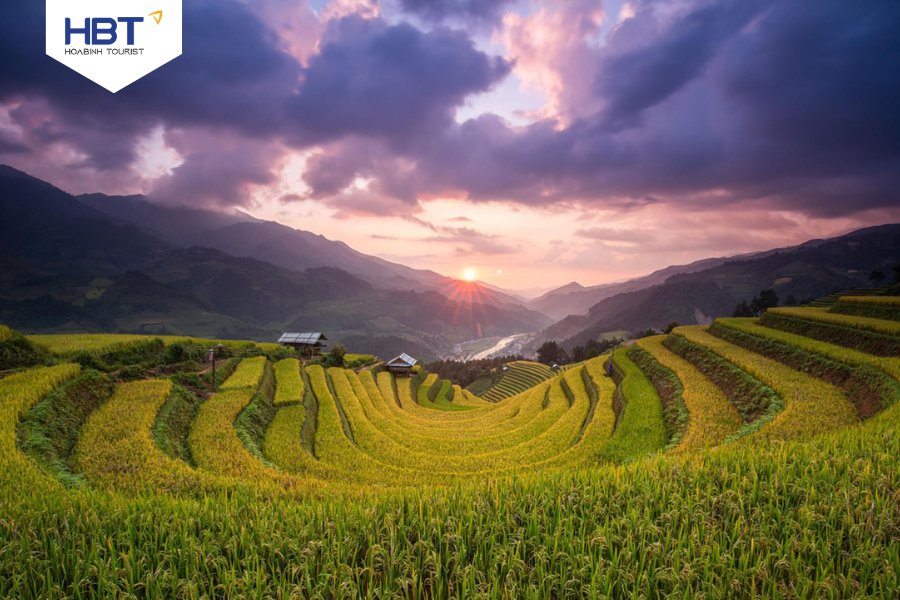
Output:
x=402 y=365
x=308 y=342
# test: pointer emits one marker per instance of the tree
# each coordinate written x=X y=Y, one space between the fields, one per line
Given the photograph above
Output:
x=876 y=276
x=743 y=310
x=671 y=326
x=763 y=301
x=897 y=273
x=336 y=356
x=791 y=300
x=579 y=353
x=549 y=353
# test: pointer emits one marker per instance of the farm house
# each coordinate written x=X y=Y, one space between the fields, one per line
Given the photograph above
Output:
x=402 y=365
x=307 y=343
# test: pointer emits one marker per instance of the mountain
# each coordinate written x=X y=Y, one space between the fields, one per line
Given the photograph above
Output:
x=47 y=228
x=575 y=299
x=67 y=266
x=815 y=268
x=179 y=226
x=328 y=299
x=239 y=234
x=297 y=249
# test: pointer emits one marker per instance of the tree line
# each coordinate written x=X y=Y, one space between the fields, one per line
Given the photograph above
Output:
x=464 y=373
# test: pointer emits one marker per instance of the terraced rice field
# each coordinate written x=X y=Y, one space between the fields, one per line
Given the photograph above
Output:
x=69 y=344
x=755 y=458
x=520 y=376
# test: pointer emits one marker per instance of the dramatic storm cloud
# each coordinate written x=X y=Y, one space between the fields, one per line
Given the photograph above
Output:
x=656 y=115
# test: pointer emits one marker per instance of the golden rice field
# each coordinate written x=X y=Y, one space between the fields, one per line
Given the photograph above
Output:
x=740 y=460
x=68 y=344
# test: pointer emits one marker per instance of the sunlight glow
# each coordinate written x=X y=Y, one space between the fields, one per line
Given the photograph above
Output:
x=469 y=275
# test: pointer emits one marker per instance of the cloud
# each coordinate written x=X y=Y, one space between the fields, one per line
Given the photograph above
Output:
x=476 y=242
x=218 y=170
x=373 y=79
x=477 y=12
x=685 y=106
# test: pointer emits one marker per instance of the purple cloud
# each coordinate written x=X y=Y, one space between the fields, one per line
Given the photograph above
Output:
x=389 y=81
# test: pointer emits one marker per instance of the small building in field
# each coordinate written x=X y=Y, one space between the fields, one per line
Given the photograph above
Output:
x=307 y=343
x=402 y=365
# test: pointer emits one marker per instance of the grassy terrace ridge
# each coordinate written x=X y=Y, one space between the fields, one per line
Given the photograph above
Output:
x=810 y=405
x=870 y=335
x=823 y=315
x=711 y=417
x=720 y=461
x=877 y=307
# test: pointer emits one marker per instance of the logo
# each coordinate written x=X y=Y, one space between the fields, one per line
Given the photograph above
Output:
x=113 y=43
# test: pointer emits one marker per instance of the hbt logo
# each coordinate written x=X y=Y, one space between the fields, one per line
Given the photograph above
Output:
x=91 y=38
x=101 y=31
x=95 y=29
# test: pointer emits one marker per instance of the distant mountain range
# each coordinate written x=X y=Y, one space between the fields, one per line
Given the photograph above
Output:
x=239 y=234
x=702 y=291
x=121 y=263
x=99 y=263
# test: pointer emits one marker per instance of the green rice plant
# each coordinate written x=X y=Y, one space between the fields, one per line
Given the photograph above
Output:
x=18 y=352
x=494 y=417
x=19 y=393
x=47 y=434
x=115 y=449
x=745 y=521
x=514 y=413
x=876 y=307
x=712 y=417
x=249 y=374
x=338 y=457
x=252 y=422
x=715 y=526
x=833 y=332
x=823 y=315
x=173 y=423
x=99 y=343
x=668 y=388
x=283 y=443
x=466 y=398
x=218 y=449
x=756 y=402
x=424 y=389
x=596 y=433
x=870 y=382
x=810 y=405
x=519 y=376
x=289 y=385
x=420 y=441
x=641 y=429
x=893 y=301
x=438 y=397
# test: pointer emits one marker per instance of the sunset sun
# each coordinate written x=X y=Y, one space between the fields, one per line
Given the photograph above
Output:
x=469 y=274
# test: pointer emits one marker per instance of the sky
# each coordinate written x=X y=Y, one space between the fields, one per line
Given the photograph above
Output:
x=535 y=142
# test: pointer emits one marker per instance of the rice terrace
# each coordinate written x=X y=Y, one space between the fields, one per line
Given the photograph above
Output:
x=450 y=300
x=751 y=458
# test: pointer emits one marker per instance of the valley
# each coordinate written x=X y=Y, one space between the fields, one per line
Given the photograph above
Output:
x=653 y=414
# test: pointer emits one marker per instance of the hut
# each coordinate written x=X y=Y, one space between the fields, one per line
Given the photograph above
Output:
x=402 y=365
x=307 y=343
